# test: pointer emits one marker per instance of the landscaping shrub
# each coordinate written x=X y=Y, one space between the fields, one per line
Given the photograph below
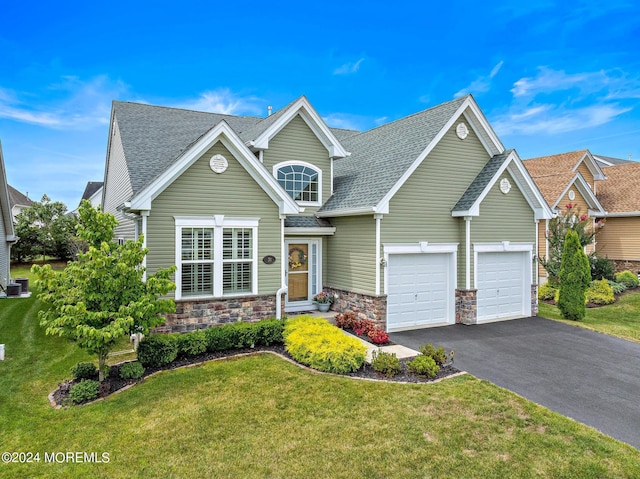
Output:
x=269 y=331
x=378 y=336
x=85 y=390
x=601 y=268
x=547 y=291
x=629 y=279
x=345 y=320
x=191 y=344
x=219 y=338
x=599 y=292
x=617 y=288
x=157 y=350
x=133 y=370
x=438 y=354
x=362 y=327
x=385 y=363
x=423 y=366
x=575 y=277
x=322 y=346
x=84 y=371
x=244 y=335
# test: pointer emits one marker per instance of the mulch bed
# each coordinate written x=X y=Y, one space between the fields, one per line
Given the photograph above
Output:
x=593 y=305
x=113 y=383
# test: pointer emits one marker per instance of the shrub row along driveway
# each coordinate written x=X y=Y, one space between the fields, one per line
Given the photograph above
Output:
x=588 y=376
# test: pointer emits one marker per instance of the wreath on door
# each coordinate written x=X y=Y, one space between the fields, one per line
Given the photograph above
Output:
x=297 y=258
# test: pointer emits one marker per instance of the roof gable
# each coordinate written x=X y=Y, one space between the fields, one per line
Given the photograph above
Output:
x=469 y=203
x=582 y=186
x=221 y=132
x=258 y=137
x=7 y=218
x=382 y=159
x=563 y=163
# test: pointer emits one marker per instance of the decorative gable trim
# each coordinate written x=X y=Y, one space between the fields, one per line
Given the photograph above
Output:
x=595 y=208
x=223 y=133
x=592 y=165
x=471 y=112
x=513 y=165
x=303 y=108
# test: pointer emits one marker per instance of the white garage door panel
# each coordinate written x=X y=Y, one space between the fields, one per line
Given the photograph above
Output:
x=418 y=290
x=502 y=285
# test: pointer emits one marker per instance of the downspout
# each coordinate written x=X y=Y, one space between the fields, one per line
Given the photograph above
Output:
x=537 y=253
x=377 y=217
x=145 y=215
x=467 y=252
x=284 y=288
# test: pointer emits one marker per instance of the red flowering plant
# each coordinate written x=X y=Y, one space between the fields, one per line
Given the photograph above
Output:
x=363 y=326
x=570 y=218
x=378 y=336
x=323 y=297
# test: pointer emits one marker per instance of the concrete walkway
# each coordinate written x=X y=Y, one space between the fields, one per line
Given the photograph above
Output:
x=588 y=376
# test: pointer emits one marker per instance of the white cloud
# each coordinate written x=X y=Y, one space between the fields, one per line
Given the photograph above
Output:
x=343 y=120
x=482 y=83
x=223 y=100
x=71 y=103
x=348 y=68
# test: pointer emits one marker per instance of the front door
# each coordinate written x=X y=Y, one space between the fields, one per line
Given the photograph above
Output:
x=303 y=278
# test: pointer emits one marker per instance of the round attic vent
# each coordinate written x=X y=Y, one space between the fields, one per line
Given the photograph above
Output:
x=218 y=163
x=462 y=131
x=572 y=195
x=505 y=185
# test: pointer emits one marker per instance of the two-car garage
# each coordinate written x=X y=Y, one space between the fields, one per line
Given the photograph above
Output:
x=420 y=282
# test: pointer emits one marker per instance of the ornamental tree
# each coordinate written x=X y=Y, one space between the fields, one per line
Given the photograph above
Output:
x=569 y=219
x=102 y=296
x=575 y=277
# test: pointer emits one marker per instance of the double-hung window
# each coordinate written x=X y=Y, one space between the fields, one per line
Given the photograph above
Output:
x=216 y=256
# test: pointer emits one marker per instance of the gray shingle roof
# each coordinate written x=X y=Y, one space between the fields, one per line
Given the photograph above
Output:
x=17 y=198
x=153 y=137
x=480 y=182
x=90 y=189
x=259 y=127
x=379 y=157
x=306 y=222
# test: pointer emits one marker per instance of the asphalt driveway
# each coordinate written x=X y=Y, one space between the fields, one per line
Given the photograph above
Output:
x=590 y=377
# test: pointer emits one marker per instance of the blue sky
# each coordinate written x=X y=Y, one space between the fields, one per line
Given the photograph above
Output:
x=550 y=76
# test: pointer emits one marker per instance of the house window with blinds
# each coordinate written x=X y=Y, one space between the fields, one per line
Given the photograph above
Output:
x=197 y=261
x=237 y=260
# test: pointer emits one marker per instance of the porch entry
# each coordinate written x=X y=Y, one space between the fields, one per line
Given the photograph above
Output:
x=303 y=273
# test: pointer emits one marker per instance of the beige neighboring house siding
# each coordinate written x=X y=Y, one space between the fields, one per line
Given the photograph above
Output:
x=118 y=186
x=620 y=239
x=351 y=254
x=542 y=246
x=586 y=174
x=201 y=192
x=421 y=209
x=504 y=218
x=296 y=142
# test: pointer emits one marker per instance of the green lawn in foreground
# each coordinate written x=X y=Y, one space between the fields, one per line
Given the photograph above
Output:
x=261 y=416
x=621 y=318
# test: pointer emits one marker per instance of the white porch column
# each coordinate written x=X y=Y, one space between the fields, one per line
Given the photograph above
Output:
x=467 y=252
x=145 y=215
x=377 y=217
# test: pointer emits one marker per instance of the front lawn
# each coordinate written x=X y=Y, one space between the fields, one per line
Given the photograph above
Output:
x=621 y=318
x=261 y=416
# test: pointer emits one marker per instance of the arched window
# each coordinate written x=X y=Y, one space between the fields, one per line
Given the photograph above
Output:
x=301 y=181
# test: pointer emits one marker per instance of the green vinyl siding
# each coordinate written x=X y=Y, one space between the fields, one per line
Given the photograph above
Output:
x=351 y=255
x=421 y=209
x=201 y=192
x=503 y=218
x=297 y=142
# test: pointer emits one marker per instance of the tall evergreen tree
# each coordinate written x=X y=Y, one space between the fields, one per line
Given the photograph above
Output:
x=575 y=277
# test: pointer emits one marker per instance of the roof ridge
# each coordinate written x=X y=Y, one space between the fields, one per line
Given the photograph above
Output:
x=163 y=107
x=583 y=150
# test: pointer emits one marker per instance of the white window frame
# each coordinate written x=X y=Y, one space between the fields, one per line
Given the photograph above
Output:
x=277 y=166
x=218 y=223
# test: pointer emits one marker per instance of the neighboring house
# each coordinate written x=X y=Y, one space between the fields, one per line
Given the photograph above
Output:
x=604 y=161
x=424 y=221
x=567 y=178
x=18 y=202
x=92 y=193
x=7 y=234
x=619 y=239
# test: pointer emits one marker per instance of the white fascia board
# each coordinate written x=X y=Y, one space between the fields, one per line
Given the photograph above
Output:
x=592 y=165
x=587 y=193
x=470 y=104
x=365 y=210
x=221 y=132
x=623 y=214
x=502 y=247
x=496 y=147
x=312 y=119
x=421 y=247
x=528 y=188
x=314 y=231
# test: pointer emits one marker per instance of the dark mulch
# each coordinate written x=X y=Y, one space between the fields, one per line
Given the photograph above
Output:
x=113 y=383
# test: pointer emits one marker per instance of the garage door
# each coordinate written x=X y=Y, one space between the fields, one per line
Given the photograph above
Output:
x=419 y=291
x=503 y=289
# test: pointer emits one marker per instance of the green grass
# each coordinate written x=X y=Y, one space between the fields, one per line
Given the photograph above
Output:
x=621 y=318
x=261 y=416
